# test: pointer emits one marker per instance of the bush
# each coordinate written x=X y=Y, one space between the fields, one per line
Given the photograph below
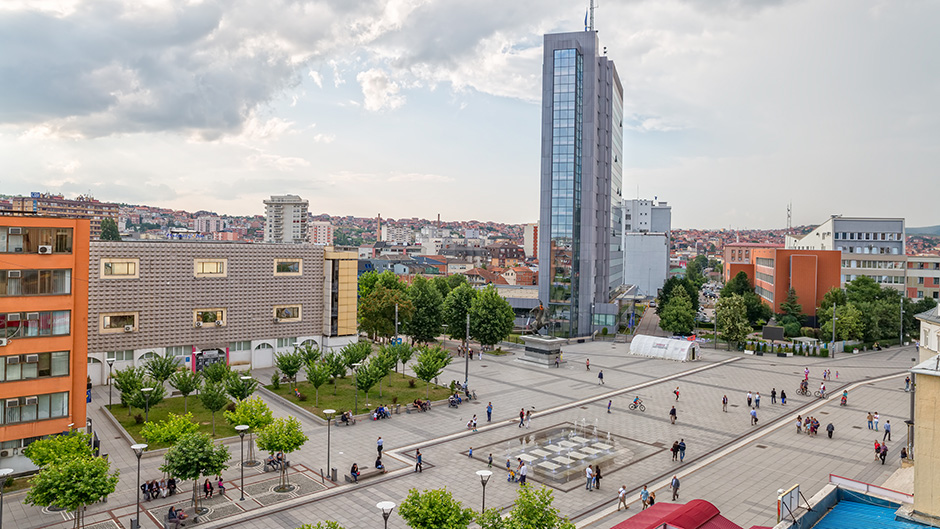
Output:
x=231 y=407
x=276 y=379
x=395 y=400
x=302 y=397
x=138 y=419
x=411 y=383
x=604 y=331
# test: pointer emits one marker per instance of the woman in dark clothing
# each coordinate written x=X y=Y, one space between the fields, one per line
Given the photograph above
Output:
x=597 y=476
x=208 y=489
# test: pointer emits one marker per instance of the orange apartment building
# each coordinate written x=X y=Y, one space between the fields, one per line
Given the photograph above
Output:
x=773 y=270
x=43 y=330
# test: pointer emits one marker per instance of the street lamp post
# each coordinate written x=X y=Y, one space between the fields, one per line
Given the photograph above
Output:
x=466 y=353
x=386 y=507
x=484 y=477
x=329 y=420
x=251 y=445
x=138 y=450
x=4 y=472
x=146 y=392
x=355 y=387
x=241 y=433
x=110 y=366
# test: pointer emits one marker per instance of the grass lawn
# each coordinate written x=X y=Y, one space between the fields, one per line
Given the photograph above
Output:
x=394 y=385
x=175 y=405
x=18 y=484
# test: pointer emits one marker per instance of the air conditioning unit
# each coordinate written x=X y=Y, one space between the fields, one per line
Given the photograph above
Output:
x=15 y=231
x=13 y=316
x=5 y=453
x=218 y=323
x=15 y=359
x=14 y=273
x=128 y=328
x=32 y=316
x=13 y=403
x=45 y=250
x=32 y=359
x=198 y=324
x=32 y=401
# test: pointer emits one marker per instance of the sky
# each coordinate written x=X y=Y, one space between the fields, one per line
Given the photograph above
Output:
x=414 y=108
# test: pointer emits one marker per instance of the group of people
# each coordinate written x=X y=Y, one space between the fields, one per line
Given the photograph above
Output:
x=423 y=405
x=154 y=489
x=461 y=351
x=208 y=490
x=678 y=450
x=274 y=461
x=593 y=475
x=810 y=426
x=347 y=418
x=381 y=412
x=519 y=473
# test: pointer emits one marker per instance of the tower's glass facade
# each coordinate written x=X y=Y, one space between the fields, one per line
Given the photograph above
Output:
x=567 y=119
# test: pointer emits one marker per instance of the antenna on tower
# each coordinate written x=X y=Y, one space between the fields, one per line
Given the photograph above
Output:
x=592 y=15
x=789 y=217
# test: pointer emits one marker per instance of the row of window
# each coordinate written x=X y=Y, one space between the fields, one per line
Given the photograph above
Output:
x=31 y=324
x=867 y=236
x=764 y=261
x=116 y=322
x=888 y=280
x=764 y=293
x=923 y=266
x=15 y=239
x=35 y=282
x=183 y=350
x=868 y=249
x=114 y=268
x=920 y=294
x=18 y=410
x=883 y=265
x=767 y=278
x=36 y=365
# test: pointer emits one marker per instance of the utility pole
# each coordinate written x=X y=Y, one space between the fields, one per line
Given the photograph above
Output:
x=716 y=326
x=833 y=329
x=396 y=323
x=901 y=332
x=466 y=352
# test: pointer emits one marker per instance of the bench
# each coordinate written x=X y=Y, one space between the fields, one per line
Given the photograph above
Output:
x=365 y=474
x=339 y=422
x=182 y=523
x=269 y=467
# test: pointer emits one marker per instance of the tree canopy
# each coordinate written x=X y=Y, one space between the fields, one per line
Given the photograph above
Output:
x=678 y=316
x=377 y=310
x=186 y=382
x=109 y=230
x=283 y=435
x=427 y=319
x=434 y=509
x=72 y=484
x=732 y=318
x=430 y=364
x=170 y=430
x=491 y=317
x=44 y=452
x=456 y=306
x=194 y=456
x=532 y=509
x=669 y=288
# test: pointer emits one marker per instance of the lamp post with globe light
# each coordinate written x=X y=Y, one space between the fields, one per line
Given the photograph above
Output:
x=386 y=507
x=484 y=477
x=110 y=366
x=146 y=392
x=329 y=420
x=4 y=472
x=138 y=451
x=241 y=433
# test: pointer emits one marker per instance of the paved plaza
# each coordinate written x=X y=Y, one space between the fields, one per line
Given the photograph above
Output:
x=729 y=462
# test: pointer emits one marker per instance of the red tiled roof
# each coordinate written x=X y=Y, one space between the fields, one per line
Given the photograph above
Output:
x=696 y=514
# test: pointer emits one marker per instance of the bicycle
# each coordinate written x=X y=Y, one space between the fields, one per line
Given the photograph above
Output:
x=802 y=391
x=821 y=395
x=634 y=405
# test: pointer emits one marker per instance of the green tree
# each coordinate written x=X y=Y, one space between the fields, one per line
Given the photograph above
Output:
x=368 y=375
x=430 y=363
x=186 y=382
x=309 y=352
x=143 y=400
x=289 y=364
x=161 y=368
x=216 y=373
x=442 y=286
x=456 y=307
x=366 y=284
x=678 y=316
x=427 y=319
x=848 y=323
x=532 y=509
x=195 y=456
x=44 y=452
x=318 y=373
x=384 y=362
x=283 y=435
x=455 y=280
x=213 y=398
x=128 y=381
x=109 y=230
x=377 y=311
x=671 y=286
x=329 y=524
x=240 y=389
x=254 y=413
x=757 y=310
x=739 y=284
x=912 y=309
x=491 y=317
x=732 y=319
x=835 y=296
x=401 y=352
x=792 y=307
x=434 y=509
x=862 y=289
x=369 y=281
x=355 y=353
x=71 y=484
x=169 y=431
x=336 y=362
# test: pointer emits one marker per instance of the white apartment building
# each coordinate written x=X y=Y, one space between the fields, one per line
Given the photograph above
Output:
x=208 y=224
x=285 y=219
x=647 y=228
x=320 y=232
x=642 y=215
x=530 y=240
x=397 y=234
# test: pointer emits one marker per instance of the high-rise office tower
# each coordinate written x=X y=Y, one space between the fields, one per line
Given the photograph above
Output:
x=580 y=225
x=285 y=219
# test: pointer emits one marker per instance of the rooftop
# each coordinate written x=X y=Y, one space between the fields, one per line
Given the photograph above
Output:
x=851 y=514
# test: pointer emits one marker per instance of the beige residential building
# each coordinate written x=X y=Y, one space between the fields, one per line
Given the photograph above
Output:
x=83 y=207
x=285 y=219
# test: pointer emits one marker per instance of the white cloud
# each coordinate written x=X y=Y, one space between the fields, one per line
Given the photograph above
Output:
x=317 y=78
x=419 y=177
x=324 y=138
x=272 y=161
x=64 y=167
x=378 y=91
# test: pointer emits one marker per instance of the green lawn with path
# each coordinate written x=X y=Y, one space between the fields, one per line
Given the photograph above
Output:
x=161 y=411
x=394 y=385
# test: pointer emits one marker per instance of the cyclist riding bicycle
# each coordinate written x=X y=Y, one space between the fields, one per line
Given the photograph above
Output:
x=822 y=389
x=803 y=386
x=845 y=397
x=637 y=401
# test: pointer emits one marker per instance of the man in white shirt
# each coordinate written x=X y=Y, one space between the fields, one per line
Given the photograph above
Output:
x=589 y=474
x=523 y=470
x=622 y=494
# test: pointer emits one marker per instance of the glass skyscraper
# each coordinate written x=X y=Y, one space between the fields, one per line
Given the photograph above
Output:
x=581 y=172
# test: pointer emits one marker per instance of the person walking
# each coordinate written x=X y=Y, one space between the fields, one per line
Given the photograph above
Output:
x=587 y=363
x=672 y=415
x=675 y=488
x=521 y=417
x=609 y=402
x=589 y=474
x=600 y=377
x=622 y=496
x=418 y=461
x=773 y=396
x=675 y=451
x=681 y=450
x=829 y=429
x=489 y=412
x=724 y=403
x=597 y=477
x=523 y=471
x=870 y=419
x=877 y=449
x=783 y=397
x=907 y=383
x=750 y=399
x=379 y=443
x=753 y=416
x=876 y=421
x=887 y=436
x=645 y=498
x=799 y=424
x=556 y=363
x=489 y=461
x=757 y=400
x=528 y=419
x=677 y=393
x=884 y=453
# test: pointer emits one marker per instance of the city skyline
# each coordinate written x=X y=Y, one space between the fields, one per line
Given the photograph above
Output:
x=199 y=106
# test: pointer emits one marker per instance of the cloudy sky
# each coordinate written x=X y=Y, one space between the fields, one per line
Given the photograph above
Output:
x=418 y=107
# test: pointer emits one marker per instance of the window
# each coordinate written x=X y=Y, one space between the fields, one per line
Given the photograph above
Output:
x=767 y=278
x=35 y=365
x=115 y=322
x=120 y=268
x=210 y=267
x=36 y=408
x=35 y=282
x=287 y=313
x=240 y=346
x=763 y=261
x=31 y=324
x=177 y=350
x=202 y=317
x=15 y=239
x=120 y=356
x=288 y=267
x=286 y=342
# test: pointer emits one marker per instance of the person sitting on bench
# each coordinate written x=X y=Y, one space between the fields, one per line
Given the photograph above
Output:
x=272 y=462
x=280 y=459
x=379 y=465
x=345 y=418
x=171 y=486
x=354 y=473
x=175 y=517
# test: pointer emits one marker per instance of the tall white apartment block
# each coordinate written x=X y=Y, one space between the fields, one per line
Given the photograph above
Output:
x=209 y=224
x=321 y=233
x=397 y=234
x=647 y=225
x=530 y=239
x=285 y=219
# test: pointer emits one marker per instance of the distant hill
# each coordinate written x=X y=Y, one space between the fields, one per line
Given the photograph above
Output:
x=926 y=230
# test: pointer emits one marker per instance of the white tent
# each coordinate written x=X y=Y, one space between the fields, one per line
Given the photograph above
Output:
x=666 y=348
